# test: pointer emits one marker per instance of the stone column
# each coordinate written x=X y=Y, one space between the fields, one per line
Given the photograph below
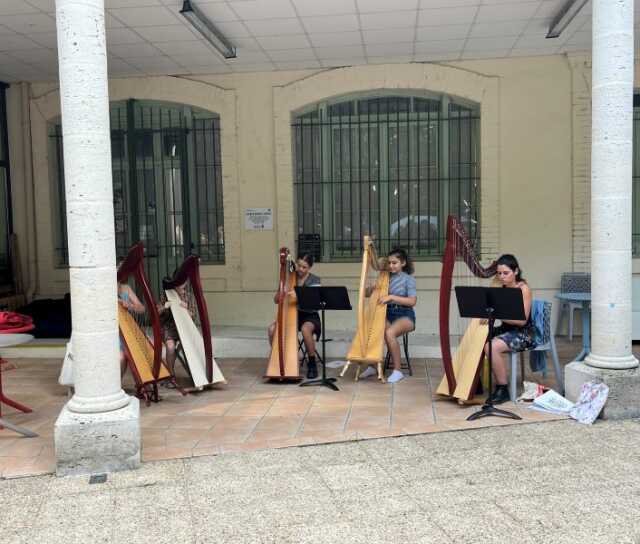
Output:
x=98 y=430
x=611 y=359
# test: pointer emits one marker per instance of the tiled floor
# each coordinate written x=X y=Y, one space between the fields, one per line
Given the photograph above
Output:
x=247 y=413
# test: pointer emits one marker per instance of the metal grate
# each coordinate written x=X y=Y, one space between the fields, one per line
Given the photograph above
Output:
x=635 y=233
x=393 y=167
x=167 y=184
x=6 y=278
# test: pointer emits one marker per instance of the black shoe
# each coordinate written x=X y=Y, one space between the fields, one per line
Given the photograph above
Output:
x=312 y=369
x=500 y=395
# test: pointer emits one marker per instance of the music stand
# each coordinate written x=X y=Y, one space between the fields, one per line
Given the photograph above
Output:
x=491 y=303
x=312 y=299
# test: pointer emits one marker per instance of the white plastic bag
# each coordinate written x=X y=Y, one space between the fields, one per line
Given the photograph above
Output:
x=593 y=397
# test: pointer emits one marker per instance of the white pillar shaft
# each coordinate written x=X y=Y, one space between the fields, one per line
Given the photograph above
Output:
x=611 y=161
x=89 y=198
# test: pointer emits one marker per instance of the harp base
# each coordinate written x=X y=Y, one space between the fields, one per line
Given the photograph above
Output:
x=491 y=410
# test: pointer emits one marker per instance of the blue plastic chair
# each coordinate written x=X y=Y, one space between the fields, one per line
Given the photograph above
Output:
x=548 y=344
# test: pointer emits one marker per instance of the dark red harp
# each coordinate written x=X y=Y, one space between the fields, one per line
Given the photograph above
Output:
x=140 y=331
x=458 y=246
x=189 y=275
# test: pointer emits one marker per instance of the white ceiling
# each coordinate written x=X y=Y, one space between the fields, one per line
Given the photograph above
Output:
x=150 y=37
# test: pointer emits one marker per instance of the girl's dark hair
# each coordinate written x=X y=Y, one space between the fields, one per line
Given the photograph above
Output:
x=403 y=256
x=509 y=260
x=307 y=258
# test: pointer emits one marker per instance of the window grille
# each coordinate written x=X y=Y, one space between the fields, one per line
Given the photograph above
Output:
x=635 y=179
x=167 y=184
x=6 y=278
x=389 y=166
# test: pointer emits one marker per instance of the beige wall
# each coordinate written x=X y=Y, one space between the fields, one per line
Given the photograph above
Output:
x=527 y=170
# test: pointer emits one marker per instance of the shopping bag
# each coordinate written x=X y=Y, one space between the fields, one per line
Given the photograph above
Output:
x=593 y=397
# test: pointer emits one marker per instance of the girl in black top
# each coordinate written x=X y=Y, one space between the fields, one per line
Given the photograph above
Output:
x=308 y=322
x=510 y=335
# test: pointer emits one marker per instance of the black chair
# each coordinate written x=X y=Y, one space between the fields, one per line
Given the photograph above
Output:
x=303 y=349
x=406 y=364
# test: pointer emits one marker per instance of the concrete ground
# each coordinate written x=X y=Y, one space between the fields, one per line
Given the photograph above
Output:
x=556 y=482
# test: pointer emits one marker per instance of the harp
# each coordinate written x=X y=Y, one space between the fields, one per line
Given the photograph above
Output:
x=195 y=348
x=283 y=362
x=140 y=332
x=462 y=370
x=367 y=346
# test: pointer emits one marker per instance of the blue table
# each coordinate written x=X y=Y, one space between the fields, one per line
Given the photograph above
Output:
x=585 y=300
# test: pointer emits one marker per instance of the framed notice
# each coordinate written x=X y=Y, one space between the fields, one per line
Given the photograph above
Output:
x=258 y=219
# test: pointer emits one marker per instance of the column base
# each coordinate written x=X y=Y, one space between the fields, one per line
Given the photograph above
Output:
x=624 y=388
x=89 y=443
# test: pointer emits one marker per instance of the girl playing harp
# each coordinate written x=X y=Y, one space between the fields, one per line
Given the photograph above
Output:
x=308 y=322
x=401 y=317
x=510 y=335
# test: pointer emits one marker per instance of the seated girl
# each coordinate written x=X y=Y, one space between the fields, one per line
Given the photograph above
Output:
x=510 y=335
x=400 y=301
x=308 y=322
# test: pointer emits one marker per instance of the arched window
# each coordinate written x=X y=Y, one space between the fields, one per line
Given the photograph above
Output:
x=167 y=183
x=389 y=165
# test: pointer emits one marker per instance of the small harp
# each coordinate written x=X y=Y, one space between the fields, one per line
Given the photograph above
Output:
x=283 y=362
x=140 y=332
x=367 y=346
x=195 y=349
x=462 y=370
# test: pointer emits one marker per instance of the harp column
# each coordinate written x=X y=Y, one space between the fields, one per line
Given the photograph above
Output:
x=611 y=359
x=99 y=428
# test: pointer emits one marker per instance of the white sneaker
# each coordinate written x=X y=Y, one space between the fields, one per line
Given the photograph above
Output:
x=395 y=377
x=368 y=372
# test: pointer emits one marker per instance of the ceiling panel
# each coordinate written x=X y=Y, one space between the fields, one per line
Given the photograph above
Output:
x=149 y=36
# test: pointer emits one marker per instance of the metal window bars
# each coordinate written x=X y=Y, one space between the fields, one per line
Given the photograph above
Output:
x=167 y=184
x=393 y=167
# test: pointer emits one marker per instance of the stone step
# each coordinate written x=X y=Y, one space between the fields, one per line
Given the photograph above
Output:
x=234 y=342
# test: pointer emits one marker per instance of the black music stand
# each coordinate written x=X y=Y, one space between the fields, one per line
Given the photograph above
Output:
x=491 y=303
x=312 y=299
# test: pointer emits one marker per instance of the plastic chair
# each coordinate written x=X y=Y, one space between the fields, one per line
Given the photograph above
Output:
x=572 y=282
x=548 y=344
x=406 y=365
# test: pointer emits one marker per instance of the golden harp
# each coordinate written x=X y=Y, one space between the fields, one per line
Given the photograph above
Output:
x=367 y=346
x=283 y=362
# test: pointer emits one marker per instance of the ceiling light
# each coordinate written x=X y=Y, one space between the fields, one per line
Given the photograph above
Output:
x=208 y=30
x=564 y=17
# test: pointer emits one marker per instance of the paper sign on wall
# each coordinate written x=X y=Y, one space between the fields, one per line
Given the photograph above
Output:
x=258 y=219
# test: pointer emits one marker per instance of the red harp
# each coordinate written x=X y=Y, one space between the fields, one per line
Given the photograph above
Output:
x=194 y=328
x=283 y=362
x=462 y=370
x=140 y=328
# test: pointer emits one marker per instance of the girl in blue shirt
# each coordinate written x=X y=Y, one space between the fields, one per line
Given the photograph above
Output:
x=400 y=301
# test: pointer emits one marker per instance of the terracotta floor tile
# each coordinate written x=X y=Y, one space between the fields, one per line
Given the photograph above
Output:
x=312 y=423
x=324 y=411
x=213 y=409
x=205 y=422
x=255 y=408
